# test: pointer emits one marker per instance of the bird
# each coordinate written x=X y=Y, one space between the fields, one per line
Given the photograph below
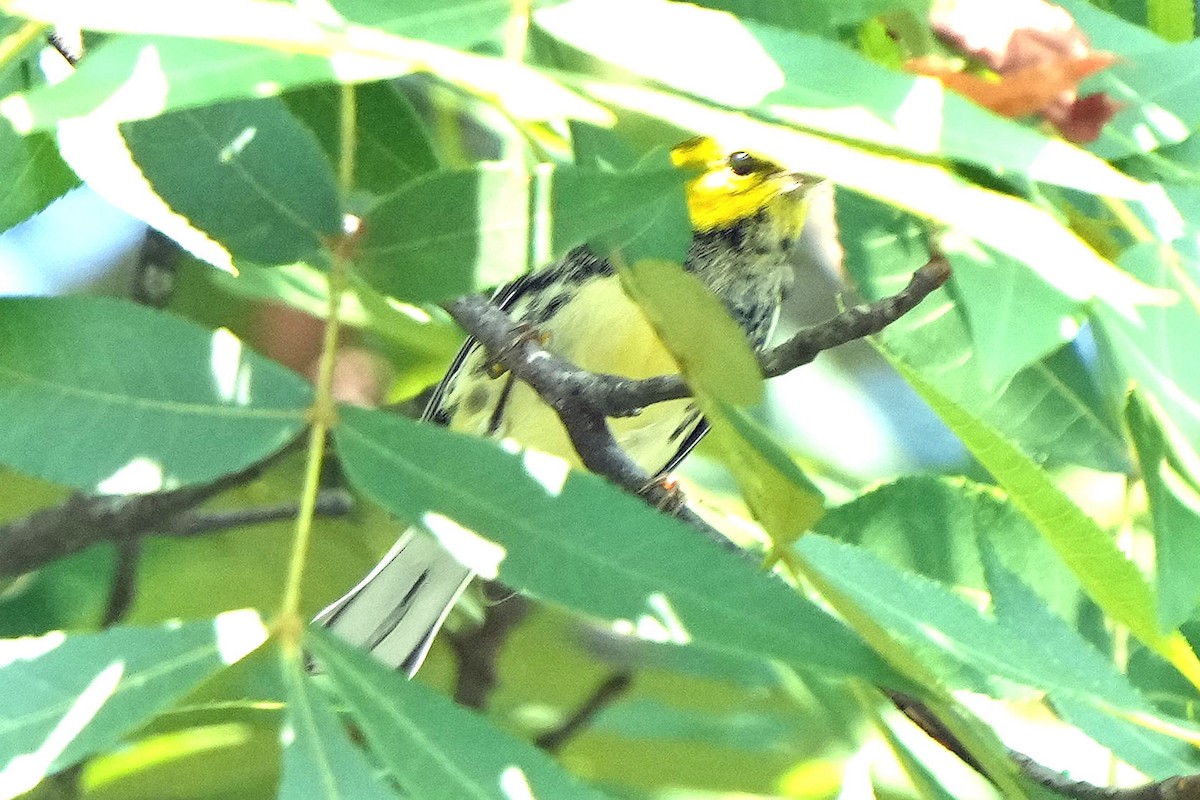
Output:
x=746 y=213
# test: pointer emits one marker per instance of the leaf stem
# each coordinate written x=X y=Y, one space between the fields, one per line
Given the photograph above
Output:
x=324 y=409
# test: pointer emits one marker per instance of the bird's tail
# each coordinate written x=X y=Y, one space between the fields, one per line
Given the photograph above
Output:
x=396 y=610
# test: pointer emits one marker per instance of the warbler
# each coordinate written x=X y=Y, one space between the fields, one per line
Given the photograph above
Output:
x=746 y=214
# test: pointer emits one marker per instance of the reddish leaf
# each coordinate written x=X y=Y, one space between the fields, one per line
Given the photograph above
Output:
x=1082 y=120
x=1038 y=56
x=1031 y=90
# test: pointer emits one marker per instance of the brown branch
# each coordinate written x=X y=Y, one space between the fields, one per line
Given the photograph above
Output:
x=331 y=502
x=82 y=521
x=584 y=401
x=68 y=43
x=1183 y=787
x=611 y=689
x=124 y=582
x=478 y=650
x=569 y=389
x=559 y=383
x=857 y=322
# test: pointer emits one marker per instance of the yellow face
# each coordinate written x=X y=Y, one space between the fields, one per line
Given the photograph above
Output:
x=737 y=185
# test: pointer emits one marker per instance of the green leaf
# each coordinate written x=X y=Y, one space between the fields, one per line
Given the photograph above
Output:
x=723 y=666
x=877 y=625
x=709 y=346
x=1175 y=511
x=68 y=696
x=318 y=760
x=108 y=396
x=818 y=85
x=1038 y=409
x=943 y=631
x=159 y=73
x=781 y=497
x=1158 y=755
x=1102 y=569
x=391 y=146
x=450 y=233
x=1099 y=688
x=659 y=724
x=1016 y=319
x=935 y=526
x=430 y=746
x=1025 y=644
x=1046 y=246
x=421 y=334
x=1174 y=20
x=32 y=174
x=1151 y=346
x=149 y=74
x=1157 y=90
x=637 y=214
x=246 y=172
x=462 y=24
x=574 y=539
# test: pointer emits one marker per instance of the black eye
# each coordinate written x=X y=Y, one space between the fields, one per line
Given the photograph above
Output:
x=742 y=163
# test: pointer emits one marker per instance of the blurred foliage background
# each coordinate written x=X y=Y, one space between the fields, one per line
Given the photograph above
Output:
x=1006 y=480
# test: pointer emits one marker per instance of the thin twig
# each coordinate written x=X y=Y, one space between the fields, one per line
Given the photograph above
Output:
x=1184 y=787
x=584 y=401
x=68 y=43
x=854 y=323
x=333 y=502
x=611 y=689
x=478 y=650
x=124 y=582
x=567 y=387
x=85 y=520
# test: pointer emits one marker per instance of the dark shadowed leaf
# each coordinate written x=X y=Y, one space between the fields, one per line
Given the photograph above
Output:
x=430 y=746
x=318 y=760
x=109 y=396
x=576 y=540
x=247 y=173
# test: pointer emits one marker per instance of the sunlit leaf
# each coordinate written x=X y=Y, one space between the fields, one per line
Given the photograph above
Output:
x=70 y=695
x=818 y=85
x=1105 y=573
x=1175 y=511
x=450 y=233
